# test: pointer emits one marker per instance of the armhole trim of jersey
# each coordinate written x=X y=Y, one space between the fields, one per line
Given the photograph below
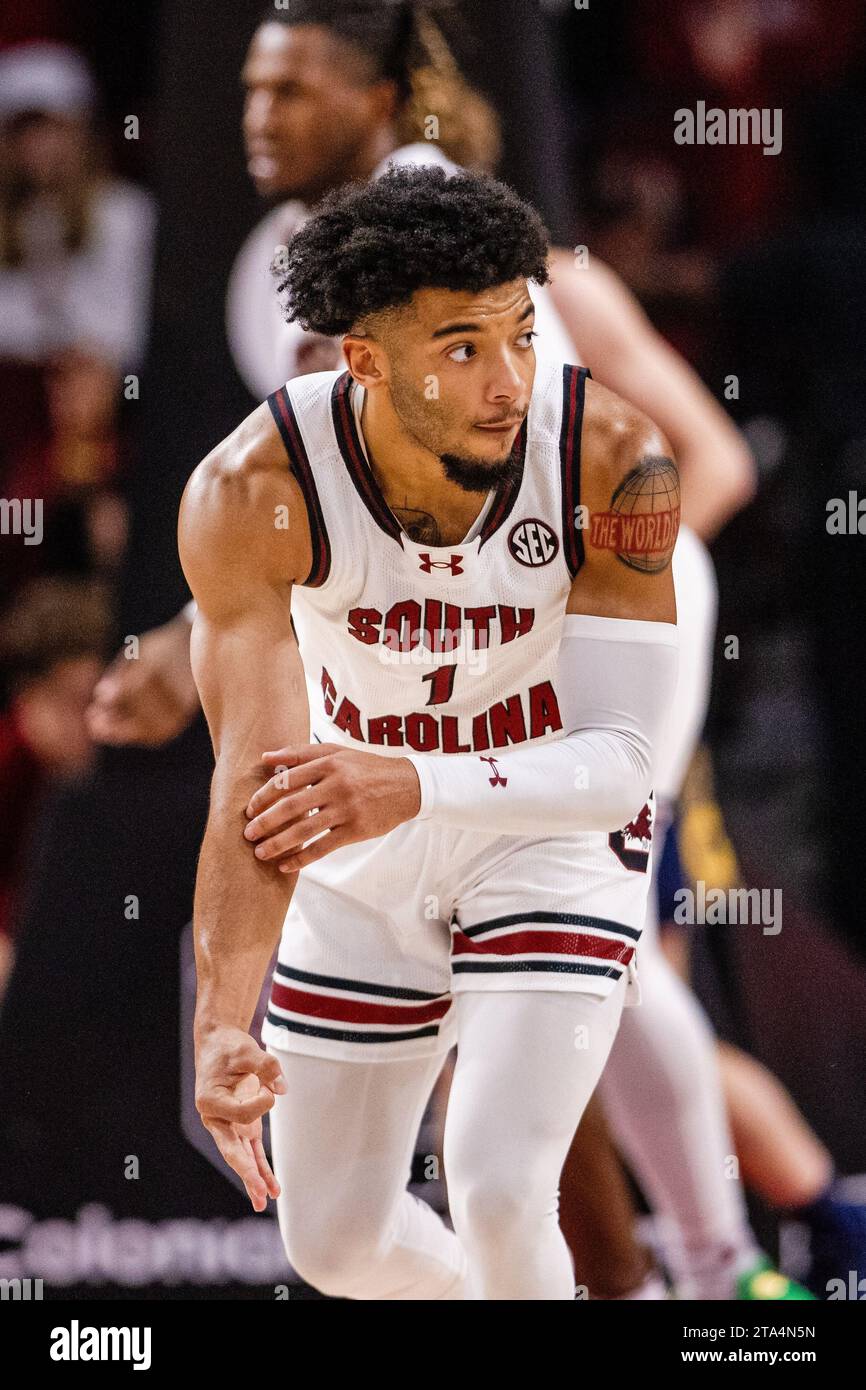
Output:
x=299 y=466
x=573 y=391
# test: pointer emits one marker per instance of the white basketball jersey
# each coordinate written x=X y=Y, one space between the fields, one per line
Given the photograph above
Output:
x=436 y=649
x=442 y=649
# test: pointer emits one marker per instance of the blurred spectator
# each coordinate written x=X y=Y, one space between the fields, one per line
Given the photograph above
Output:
x=75 y=242
x=73 y=465
x=75 y=263
x=52 y=643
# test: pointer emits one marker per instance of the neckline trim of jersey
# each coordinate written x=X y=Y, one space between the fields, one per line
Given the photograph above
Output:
x=364 y=480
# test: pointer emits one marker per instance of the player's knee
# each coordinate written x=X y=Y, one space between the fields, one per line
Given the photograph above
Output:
x=493 y=1209
x=338 y=1258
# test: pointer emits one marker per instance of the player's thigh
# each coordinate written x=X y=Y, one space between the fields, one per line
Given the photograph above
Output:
x=527 y=1064
x=344 y=1128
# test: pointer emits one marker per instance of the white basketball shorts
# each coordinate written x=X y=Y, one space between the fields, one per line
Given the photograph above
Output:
x=381 y=935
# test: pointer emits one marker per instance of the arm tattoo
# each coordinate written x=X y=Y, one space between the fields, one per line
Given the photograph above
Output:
x=641 y=525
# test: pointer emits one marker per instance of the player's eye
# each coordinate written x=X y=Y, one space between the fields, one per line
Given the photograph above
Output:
x=465 y=348
x=528 y=336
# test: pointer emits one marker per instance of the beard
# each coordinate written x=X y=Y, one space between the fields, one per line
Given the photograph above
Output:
x=477 y=475
x=430 y=429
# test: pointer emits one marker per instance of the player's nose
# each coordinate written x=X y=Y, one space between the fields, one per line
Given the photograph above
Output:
x=507 y=384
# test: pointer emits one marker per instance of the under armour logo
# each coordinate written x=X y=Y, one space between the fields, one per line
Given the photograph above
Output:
x=497 y=780
x=454 y=563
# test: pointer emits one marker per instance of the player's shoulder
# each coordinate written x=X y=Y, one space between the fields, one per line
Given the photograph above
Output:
x=242 y=500
x=607 y=428
x=256 y=451
x=247 y=463
x=243 y=521
x=617 y=437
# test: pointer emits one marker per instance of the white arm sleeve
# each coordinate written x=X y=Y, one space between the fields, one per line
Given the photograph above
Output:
x=615 y=682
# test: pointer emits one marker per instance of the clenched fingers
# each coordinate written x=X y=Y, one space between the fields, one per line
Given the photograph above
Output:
x=221 y=1103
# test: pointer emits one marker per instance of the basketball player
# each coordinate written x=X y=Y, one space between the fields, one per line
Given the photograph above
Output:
x=508 y=665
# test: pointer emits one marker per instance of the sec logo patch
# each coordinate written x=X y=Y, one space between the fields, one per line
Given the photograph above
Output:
x=533 y=542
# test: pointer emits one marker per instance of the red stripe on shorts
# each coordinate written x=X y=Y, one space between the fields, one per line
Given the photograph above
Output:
x=344 y=1010
x=562 y=943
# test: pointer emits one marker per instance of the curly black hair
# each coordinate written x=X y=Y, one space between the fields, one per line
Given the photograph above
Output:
x=371 y=245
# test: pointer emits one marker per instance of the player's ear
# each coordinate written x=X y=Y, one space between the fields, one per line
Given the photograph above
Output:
x=366 y=360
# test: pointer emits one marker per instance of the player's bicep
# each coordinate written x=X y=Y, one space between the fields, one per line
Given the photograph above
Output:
x=631 y=491
x=245 y=659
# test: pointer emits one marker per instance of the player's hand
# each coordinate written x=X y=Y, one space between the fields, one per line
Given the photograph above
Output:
x=149 y=698
x=325 y=787
x=236 y=1082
